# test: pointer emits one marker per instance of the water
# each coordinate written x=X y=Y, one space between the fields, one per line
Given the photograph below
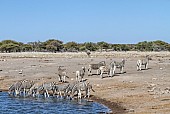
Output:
x=11 y=105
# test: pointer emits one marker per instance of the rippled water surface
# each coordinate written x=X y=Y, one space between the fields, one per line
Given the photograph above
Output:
x=11 y=105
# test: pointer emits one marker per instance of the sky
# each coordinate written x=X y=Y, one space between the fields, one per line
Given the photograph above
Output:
x=112 y=21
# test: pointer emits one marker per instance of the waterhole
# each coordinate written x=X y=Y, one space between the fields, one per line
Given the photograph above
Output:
x=52 y=105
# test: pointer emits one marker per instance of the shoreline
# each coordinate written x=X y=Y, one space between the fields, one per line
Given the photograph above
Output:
x=115 y=108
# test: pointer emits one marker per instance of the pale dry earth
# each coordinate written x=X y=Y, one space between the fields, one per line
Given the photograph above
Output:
x=139 y=92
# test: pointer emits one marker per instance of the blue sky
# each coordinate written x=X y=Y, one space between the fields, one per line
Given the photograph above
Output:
x=112 y=21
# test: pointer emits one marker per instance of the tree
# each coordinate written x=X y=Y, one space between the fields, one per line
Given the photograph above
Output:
x=116 y=47
x=124 y=47
x=71 y=46
x=36 y=46
x=53 y=45
x=103 y=45
x=10 y=46
x=168 y=47
x=90 y=46
x=144 y=46
x=160 y=45
x=27 y=47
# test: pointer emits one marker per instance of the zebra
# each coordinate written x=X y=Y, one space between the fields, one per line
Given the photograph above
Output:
x=144 y=62
x=80 y=74
x=88 y=53
x=36 y=89
x=77 y=89
x=95 y=67
x=42 y=88
x=114 y=65
x=62 y=74
x=87 y=89
x=62 y=88
x=25 y=86
x=70 y=87
x=14 y=89
x=103 y=69
x=46 y=88
x=82 y=86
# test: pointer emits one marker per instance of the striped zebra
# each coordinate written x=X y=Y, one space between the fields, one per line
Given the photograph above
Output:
x=144 y=61
x=116 y=64
x=62 y=74
x=95 y=67
x=80 y=74
x=14 y=89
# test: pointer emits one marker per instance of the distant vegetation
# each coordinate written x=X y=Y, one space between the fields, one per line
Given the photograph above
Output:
x=53 y=45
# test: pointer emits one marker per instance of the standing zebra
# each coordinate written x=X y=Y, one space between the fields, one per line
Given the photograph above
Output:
x=114 y=65
x=80 y=74
x=103 y=69
x=62 y=74
x=144 y=62
x=88 y=53
x=95 y=67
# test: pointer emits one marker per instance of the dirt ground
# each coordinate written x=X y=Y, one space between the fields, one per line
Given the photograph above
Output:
x=139 y=92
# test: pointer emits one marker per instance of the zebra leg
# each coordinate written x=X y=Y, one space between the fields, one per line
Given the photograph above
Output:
x=76 y=78
x=89 y=72
x=122 y=70
x=114 y=69
x=81 y=79
x=98 y=71
x=60 y=94
x=59 y=78
x=88 y=93
x=16 y=92
x=140 y=67
x=47 y=93
x=79 y=94
x=146 y=66
x=101 y=75
x=37 y=93
x=137 y=67
x=111 y=72
x=64 y=78
x=33 y=95
x=24 y=92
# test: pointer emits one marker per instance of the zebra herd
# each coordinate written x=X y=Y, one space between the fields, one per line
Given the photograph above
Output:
x=101 y=68
x=28 y=88
x=73 y=89
x=110 y=70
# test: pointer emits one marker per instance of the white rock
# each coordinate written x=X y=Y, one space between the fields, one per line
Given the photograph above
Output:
x=131 y=110
x=152 y=85
x=131 y=81
x=154 y=78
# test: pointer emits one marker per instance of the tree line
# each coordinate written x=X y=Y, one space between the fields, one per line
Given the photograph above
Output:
x=54 y=45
